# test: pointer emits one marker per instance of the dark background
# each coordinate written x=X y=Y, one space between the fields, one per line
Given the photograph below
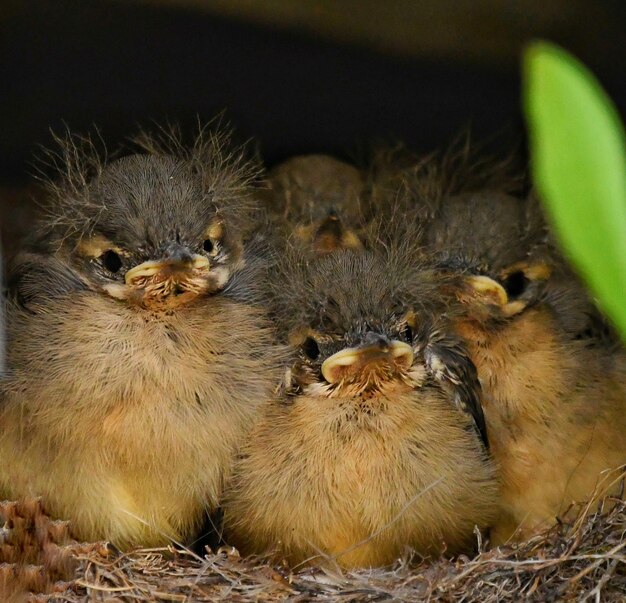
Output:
x=296 y=75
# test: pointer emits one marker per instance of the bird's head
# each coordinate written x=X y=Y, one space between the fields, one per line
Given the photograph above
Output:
x=351 y=327
x=319 y=199
x=365 y=325
x=155 y=230
x=490 y=296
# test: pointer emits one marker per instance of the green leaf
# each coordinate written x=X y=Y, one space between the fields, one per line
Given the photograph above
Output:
x=578 y=159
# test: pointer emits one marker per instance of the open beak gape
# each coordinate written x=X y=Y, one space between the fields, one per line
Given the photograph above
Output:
x=351 y=361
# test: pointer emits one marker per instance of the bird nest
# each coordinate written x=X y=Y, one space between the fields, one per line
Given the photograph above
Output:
x=582 y=560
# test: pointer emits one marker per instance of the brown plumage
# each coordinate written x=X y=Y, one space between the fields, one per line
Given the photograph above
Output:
x=374 y=445
x=317 y=200
x=553 y=377
x=555 y=404
x=554 y=391
x=137 y=357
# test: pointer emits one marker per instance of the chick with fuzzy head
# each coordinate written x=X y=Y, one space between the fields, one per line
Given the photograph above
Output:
x=376 y=443
x=137 y=358
x=318 y=201
x=555 y=393
x=554 y=382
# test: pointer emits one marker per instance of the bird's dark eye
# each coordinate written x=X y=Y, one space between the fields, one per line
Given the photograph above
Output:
x=515 y=284
x=111 y=261
x=310 y=348
x=208 y=245
x=407 y=333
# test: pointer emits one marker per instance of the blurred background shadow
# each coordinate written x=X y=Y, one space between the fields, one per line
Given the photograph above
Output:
x=296 y=75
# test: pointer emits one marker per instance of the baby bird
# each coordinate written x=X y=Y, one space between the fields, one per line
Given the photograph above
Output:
x=554 y=393
x=554 y=383
x=376 y=444
x=136 y=360
x=317 y=199
x=555 y=405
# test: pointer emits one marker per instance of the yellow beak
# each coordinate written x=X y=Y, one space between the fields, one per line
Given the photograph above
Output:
x=488 y=289
x=352 y=360
x=148 y=269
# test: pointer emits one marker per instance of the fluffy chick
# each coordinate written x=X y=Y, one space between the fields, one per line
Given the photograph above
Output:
x=555 y=405
x=317 y=199
x=554 y=391
x=376 y=443
x=136 y=362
